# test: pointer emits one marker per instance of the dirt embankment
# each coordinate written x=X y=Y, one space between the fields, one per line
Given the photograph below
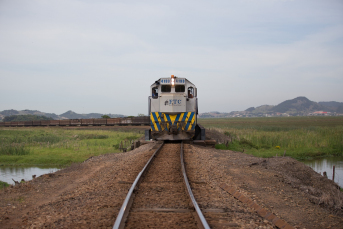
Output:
x=283 y=186
x=86 y=195
x=90 y=194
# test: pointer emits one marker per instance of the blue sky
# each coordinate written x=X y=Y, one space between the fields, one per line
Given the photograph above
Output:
x=102 y=56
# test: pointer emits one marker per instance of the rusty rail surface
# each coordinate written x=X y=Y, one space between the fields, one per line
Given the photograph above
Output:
x=202 y=223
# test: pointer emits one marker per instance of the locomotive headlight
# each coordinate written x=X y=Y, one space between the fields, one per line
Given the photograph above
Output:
x=172 y=81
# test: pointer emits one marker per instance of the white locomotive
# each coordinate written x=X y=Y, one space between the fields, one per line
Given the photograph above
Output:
x=173 y=109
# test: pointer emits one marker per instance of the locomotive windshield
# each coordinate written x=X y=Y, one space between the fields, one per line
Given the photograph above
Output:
x=179 y=88
x=166 y=88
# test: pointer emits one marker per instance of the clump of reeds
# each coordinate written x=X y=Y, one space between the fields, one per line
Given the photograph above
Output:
x=14 y=149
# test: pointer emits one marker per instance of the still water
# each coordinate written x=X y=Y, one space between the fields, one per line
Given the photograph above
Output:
x=7 y=173
x=326 y=165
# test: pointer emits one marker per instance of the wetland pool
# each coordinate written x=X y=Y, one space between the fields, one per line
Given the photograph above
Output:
x=7 y=173
x=325 y=165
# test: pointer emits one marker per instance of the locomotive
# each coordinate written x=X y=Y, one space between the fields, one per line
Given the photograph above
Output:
x=173 y=109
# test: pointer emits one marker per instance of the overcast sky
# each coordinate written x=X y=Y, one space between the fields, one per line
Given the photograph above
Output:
x=102 y=56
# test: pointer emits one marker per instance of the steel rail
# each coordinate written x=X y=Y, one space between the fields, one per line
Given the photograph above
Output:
x=200 y=216
x=125 y=208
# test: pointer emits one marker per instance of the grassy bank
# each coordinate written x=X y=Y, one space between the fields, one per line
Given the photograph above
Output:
x=58 y=146
x=298 y=137
x=3 y=184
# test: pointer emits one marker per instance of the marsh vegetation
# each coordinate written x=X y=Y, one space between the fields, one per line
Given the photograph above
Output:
x=298 y=137
x=58 y=146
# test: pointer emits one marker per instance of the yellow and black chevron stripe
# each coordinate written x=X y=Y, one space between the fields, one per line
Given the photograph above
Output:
x=160 y=121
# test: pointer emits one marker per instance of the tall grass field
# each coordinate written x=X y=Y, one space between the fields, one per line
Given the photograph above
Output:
x=297 y=137
x=58 y=146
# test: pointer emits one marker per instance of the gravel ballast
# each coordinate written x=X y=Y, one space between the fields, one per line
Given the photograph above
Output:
x=90 y=194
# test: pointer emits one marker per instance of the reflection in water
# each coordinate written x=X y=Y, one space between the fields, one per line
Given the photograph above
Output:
x=22 y=172
x=326 y=165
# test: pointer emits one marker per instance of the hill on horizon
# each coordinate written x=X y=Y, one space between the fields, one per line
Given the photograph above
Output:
x=297 y=106
x=300 y=104
x=66 y=115
x=28 y=117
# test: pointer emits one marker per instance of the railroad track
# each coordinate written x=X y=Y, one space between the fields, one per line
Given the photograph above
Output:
x=161 y=196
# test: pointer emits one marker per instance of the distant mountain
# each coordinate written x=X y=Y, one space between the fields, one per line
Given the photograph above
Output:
x=66 y=115
x=294 y=107
x=73 y=115
x=298 y=105
x=28 y=112
x=333 y=106
x=28 y=117
x=250 y=109
x=260 y=109
x=9 y=112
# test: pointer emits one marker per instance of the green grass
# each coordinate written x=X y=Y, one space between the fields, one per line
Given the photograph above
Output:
x=58 y=146
x=14 y=149
x=298 y=137
x=3 y=184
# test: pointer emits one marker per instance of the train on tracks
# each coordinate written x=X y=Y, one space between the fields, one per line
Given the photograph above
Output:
x=140 y=120
x=173 y=109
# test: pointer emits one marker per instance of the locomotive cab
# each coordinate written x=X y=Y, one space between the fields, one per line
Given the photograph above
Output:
x=173 y=109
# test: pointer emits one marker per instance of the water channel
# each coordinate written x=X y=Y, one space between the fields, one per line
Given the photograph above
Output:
x=326 y=165
x=7 y=173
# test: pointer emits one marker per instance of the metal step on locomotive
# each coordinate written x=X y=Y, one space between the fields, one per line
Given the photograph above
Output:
x=173 y=109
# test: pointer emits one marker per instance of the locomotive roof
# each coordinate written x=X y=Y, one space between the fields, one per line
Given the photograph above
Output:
x=159 y=80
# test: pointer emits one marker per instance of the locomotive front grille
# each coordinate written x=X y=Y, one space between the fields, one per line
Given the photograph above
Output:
x=163 y=122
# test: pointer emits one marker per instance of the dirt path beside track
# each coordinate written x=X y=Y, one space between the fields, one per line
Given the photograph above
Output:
x=90 y=194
